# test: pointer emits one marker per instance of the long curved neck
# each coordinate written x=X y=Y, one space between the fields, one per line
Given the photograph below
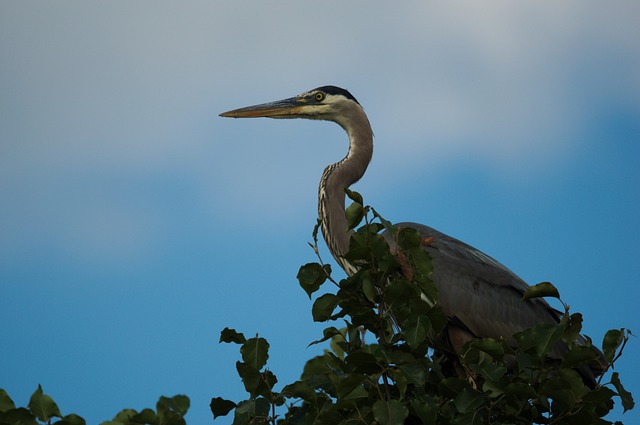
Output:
x=339 y=176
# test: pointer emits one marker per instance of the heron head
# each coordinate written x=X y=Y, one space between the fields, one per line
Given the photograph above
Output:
x=322 y=103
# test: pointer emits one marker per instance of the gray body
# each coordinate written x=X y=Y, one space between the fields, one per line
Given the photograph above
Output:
x=477 y=292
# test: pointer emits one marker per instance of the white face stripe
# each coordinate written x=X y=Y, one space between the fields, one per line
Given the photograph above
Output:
x=329 y=98
x=330 y=91
x=330 y=108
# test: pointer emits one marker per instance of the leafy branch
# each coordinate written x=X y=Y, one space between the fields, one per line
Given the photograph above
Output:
x=43 y=410
x=399 y=377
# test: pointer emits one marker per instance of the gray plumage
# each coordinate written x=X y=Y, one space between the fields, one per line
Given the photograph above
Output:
x=478 y=292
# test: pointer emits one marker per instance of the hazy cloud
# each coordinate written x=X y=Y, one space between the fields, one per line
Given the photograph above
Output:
x=135 y=89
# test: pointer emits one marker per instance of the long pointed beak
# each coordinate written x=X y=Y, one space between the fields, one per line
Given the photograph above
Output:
x=279 y=109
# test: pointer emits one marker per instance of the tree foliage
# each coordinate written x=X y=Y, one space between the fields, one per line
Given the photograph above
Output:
x=380 y=368
x=43 y=410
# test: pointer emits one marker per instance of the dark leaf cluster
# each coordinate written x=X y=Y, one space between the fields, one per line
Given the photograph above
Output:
x=43 y=410
x=382 y=366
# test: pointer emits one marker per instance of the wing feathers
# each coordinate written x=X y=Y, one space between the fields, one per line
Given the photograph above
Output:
x=484 y=295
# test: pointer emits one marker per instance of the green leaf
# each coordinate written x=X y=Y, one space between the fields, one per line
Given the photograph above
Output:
x=491 y=371
x=468 y=400
x=401 y=381
x=578 y=355
x=415 y=330
x=566 y=388
x=230 y=335
x=416 y=374
x=43 y=406
x=311 y=276
x=299 y=389
x=391 y=412
x=323 y=374
x=438 y=319
x=256 y=383
x=610 y=343
x=490 y=346
x=361 y=362
x=19 y=416
x=5 y=401
x=178 y=404
x=426 y=410
x=542 y=337
x=408 y=238
x=323 y=307
x=380 y=249
x=600 y=394
x=543 y=289
x=71 y=419
x=493 y=388
x=350 y=387
x=451 y=387
x=388 y=226
x=146 y=416
x=573 y=326
x=255 y=352
x=354 y=214
x=354 y=196
x=247 y=410
x=124 y=416
x=356 y=393
x=399 y=292
x=625 y=396
x=521 y=390
x=329 y=332
x=314 y=368
x=338 y=345
x=368 y=288
x=357 y=253
x=221 y=407
x=470 y=418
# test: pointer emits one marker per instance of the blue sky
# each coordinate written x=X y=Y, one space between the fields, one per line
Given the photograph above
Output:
x=136 y=224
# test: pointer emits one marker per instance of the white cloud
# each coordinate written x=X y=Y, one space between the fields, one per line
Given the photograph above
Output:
x=512 y=85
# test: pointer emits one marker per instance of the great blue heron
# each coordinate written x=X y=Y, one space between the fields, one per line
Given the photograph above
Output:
x=480 y=296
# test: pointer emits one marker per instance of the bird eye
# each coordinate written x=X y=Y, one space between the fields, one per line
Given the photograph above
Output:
x=319 y=96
